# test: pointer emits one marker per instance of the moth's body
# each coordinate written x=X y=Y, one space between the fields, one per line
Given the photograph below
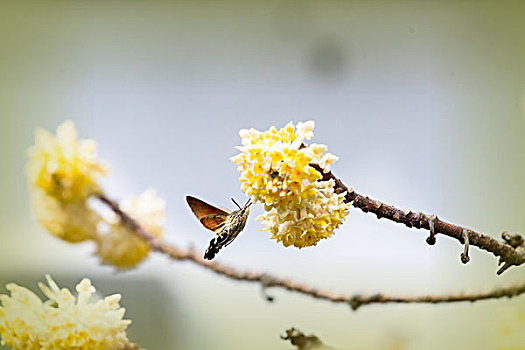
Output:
x=226 y=225
x=233 y=225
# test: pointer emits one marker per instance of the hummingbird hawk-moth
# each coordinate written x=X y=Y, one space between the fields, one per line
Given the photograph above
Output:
x=226 y=224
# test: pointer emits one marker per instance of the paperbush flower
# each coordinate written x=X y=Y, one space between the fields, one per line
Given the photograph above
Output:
x=63 y=166
x=72 y=221
x=275 y=170
x=63 y=172
x=119 y=246
x=64 y=321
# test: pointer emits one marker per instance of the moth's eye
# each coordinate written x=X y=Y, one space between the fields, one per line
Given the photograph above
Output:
x=274 y=173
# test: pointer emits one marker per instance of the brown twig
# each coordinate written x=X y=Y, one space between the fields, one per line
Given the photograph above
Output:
x=268 y=281
x=509 y=255
x=302 y=341
x=359 y=300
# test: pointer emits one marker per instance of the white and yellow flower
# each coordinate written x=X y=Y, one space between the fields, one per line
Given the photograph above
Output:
x=63 y=172
x=64 y=321
x=275 y=170
x=63 y=166
x=72 y=221
x=122 y=248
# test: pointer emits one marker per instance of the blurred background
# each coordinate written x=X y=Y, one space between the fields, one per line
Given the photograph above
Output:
x=424 y=103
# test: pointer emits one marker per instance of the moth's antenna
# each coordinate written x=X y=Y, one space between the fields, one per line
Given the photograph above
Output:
x=248 y=203
x=236 y=203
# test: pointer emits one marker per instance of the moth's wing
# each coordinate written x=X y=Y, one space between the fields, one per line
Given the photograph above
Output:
x=202 y=209
x=214 y=222
x=211 y=217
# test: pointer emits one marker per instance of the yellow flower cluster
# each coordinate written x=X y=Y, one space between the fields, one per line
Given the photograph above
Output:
x=63 y=322
x=63 y=166
x=275 y=170
x=63 y=172
x=71 y=221
x=122 y=248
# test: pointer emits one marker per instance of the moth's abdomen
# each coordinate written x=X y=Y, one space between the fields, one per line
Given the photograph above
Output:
x=216 y=243
x=212 y=250
x=226 y=235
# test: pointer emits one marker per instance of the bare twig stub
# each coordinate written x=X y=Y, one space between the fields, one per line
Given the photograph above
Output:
x=509 y=255
x=464 y=256
x=302 y=341
x=267 y=281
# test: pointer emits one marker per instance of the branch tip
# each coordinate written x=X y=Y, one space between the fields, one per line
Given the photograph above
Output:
x=266 y=281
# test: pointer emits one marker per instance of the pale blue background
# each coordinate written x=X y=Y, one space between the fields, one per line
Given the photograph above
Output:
x=424 y=103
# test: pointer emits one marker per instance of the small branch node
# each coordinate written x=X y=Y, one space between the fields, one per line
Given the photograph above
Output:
x=515 y=261
x=355 y=302
x=464 y=256
x=420 y=218
x=302 y=341
x=504 y=267
x=431 y=240
x=266 y=281
x=514 y=240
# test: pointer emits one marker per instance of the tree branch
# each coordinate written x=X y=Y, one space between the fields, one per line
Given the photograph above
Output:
x=268 y=281
x=359 y=300
x=511 y=252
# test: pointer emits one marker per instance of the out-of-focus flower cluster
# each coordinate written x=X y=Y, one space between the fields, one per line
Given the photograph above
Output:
x=63 y=173
x=64 y=321
x=275 y=170
x=119 y=246
x=63 y=166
